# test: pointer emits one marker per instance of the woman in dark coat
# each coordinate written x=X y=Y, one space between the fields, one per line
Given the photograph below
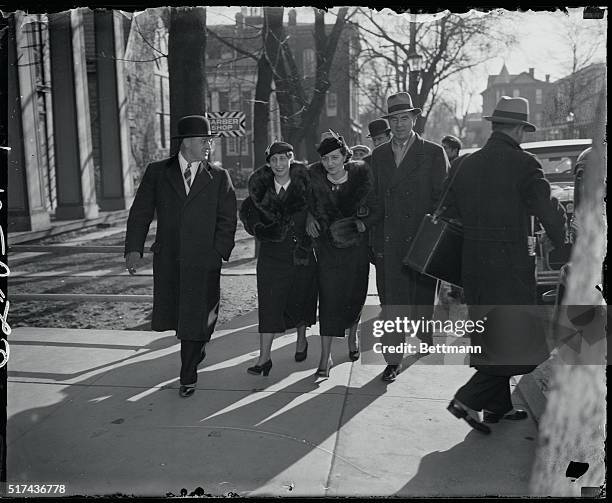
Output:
x=342 y=202
x=275 y=213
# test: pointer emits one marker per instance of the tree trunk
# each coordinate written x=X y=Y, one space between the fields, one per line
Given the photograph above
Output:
x=186 y=64
x=261 y=109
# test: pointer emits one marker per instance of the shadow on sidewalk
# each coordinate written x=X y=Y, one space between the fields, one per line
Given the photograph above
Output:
x=120 y=426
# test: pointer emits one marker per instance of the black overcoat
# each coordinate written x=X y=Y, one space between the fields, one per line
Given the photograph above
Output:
x=494 y=193
x=286 y=269
x=342 y=271
x=406 y=193
x=194 y=233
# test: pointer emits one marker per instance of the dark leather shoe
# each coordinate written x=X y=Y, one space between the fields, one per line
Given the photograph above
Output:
x=187 y=391
x=391 y=372
x=354 y=355
x=459 y=412
x=514 y=415
x=300 y=356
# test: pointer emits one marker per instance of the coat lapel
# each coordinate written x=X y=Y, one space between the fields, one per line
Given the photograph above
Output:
x=387 y=166
x=176 y=177
x=202 y=179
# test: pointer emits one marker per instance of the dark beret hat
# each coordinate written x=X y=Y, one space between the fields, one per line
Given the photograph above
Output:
x=278 y=147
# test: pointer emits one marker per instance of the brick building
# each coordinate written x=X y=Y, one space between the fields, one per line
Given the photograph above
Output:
x=523 y=84
x=570 y=106
x=232 y=78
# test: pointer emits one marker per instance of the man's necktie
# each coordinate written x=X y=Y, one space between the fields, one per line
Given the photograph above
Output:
x=187 y=175
x=281 y=193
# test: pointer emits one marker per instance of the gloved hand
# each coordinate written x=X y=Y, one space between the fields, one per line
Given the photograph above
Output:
x=346 y=232
x=132 y=259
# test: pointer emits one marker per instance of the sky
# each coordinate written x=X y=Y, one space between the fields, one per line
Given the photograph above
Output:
x=540 y=43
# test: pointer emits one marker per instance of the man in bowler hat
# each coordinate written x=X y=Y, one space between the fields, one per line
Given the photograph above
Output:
x=196 y=212
x=494 y=194
x=379 y=132
x=408 y=176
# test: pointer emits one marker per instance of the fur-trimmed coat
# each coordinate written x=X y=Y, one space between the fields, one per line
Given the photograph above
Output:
x=272 y=219
x=355 y=199
x=342 y=251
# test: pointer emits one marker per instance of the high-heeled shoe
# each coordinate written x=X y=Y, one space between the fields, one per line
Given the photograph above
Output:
x=325 y=372
x=300 y=356
x=259 y=369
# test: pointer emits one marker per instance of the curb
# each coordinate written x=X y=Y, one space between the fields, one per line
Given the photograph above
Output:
x=531 y=393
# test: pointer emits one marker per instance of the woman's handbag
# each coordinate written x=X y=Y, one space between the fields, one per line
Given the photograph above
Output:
x=437 y=247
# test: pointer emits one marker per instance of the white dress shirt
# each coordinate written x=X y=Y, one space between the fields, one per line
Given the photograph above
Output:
x=278 y=186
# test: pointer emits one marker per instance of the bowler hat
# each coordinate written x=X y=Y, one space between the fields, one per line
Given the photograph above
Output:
x=512 y=111
x=193 y=126
x=278 y=147
x=400 y=103
x=378 y=126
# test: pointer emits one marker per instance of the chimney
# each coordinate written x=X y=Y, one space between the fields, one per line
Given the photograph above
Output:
x=548 y=77
x=239 y=20
x=292 y=17
x=531 y=72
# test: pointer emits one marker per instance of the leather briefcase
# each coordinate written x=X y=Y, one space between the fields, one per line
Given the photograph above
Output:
x=436 y=250
x=437 y=247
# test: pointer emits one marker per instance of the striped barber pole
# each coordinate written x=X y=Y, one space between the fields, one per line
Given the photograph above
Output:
x=227 y=124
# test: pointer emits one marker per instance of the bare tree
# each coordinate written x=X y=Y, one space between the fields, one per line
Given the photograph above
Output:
x=300 y=107
x=583 y=44
x=449 y=45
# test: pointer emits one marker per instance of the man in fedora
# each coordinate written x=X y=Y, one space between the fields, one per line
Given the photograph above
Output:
x=408 y=176
x=196 y=212
x=379 y=132
x=494 y=194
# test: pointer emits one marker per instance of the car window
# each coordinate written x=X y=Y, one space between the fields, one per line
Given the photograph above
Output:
x=556 y=165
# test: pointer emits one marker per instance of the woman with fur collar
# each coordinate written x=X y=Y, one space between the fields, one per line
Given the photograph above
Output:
x=275 y=213
x=342 y=205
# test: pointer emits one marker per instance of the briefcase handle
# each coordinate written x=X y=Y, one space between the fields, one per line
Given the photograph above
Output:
x=440 y=209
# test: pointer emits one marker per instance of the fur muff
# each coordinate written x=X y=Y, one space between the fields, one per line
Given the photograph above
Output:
x=263 y=214
x=345 y=233
x=352 y=197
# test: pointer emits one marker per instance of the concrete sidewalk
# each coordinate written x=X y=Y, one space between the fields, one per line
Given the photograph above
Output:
x=99 y=412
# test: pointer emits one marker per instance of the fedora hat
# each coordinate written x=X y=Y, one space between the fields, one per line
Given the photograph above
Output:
x=512 y=111
x=378 y=126
x=400 y=103
x=192 y=126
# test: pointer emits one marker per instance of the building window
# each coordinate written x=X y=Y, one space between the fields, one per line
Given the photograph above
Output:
x=226 y=52
x=516 y=93
x=497 y=95
x=232 y=146
x=331 y=104
x=538 y=96
x=538 y=118
x=308 y=63
x=223 y=101
x=163 y=110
